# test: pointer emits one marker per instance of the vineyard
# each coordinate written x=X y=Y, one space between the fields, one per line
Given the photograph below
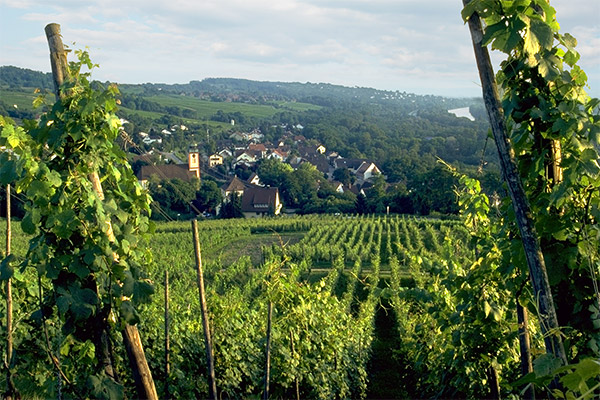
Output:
x=502 y=301
x=327 y=290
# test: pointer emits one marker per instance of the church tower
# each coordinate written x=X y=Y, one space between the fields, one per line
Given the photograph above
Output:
x=194 y=159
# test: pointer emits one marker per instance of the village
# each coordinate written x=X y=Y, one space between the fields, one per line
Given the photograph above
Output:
x=235 y=165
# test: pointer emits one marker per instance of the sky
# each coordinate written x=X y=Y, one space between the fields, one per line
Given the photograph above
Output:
x=417 y=46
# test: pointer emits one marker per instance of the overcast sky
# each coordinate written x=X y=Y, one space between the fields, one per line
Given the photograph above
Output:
x=419 y=46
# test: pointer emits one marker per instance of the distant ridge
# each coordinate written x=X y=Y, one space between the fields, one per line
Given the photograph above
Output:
x=22 y=77
x=249 y=91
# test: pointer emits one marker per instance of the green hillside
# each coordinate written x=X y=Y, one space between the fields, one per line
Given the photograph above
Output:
x=404 y=133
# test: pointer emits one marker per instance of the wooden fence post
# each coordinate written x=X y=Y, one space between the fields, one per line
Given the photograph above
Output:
x=210 y=360
x=523 y=215
x=525 y=349
x=268 y=351
x=130 y=334
x=10 y=389
x=167 y=339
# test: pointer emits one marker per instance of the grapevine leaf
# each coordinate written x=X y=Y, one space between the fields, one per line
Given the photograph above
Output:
x=103 y=387
x=543 y=33
x=588 y=368
x=27 y=223
x=64 y=302
x=531 y=46
x=128 y=313
x=569 y=40
x=84 y=303
x=54 y=178
x=142 y=292
x=79 y=269
x=39 y=189
x=487 y=308
x=6 y=268
x=546 y=364
x=8 y=173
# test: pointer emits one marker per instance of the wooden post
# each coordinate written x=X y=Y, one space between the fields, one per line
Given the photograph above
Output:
x=296 y=382
x=492 y=374
x=268 y=351
x=167 y=339
x=10 y=389
x=523 y=215
x=130 y=334
x=525 y=347
x=141 y=372
x=58 y=57
x=210 y=361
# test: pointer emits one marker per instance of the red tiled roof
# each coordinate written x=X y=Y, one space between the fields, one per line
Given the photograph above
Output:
x=167 y=171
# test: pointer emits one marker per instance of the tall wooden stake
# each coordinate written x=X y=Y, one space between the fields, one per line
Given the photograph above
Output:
x=131 y=338
x=167 y=339
x=525 y=347
x=10 y=389
x=268 y=351
x=296 y=382
x=210 y=360
x=524 y=218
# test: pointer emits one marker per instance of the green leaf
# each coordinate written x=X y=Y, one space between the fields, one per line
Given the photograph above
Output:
x=84 y=304
x=494 y=31
x=27 y=224
x=588 y=368
x=487 y=308
x=105 y=388
x=128 y=313
x=569 y=40
x=8 y=173
x=39 y=188
x=64 y=302
x=6 y=268
x=543 y=33
x=142 y=292
x=561 y=235
x=79 y=269
x=531 y=46
x=546 y=364
x=54 y=178
x=128 y=284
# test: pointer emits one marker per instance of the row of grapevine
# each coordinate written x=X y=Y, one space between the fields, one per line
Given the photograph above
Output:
x=456 y=325
x=359 y=238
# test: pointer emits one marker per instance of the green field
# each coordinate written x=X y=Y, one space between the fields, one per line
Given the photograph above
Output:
x=23 y=98
x=205 y=108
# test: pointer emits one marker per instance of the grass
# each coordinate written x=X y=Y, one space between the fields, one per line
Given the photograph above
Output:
x=252 y=246
x=22 y=98
x=206 y=108
x=300 y=107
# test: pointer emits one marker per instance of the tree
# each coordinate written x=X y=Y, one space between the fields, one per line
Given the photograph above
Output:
x=344 y=176
x=232 y=208
x=209 y=196
x=434 y=191
x=361 y=205
x=173 y=195
x=273 y=172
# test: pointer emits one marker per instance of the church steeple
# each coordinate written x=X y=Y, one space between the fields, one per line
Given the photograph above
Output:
x=194 y=159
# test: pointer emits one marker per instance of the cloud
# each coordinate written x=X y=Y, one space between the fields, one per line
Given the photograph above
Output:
x=388 y=44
